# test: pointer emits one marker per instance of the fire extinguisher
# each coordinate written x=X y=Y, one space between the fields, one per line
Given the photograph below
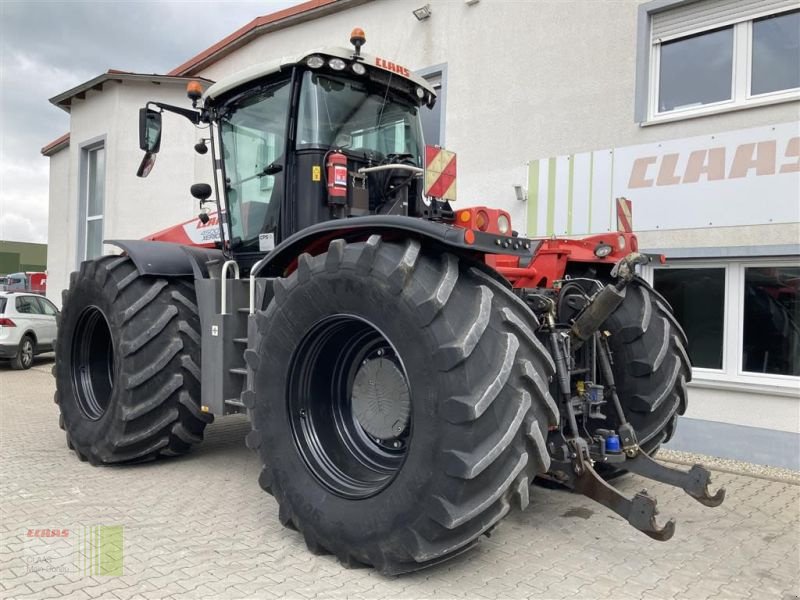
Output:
x=337 y=178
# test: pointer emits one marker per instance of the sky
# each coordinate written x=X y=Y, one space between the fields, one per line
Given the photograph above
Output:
x=49 y=47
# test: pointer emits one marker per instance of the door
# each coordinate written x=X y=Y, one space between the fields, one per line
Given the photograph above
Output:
x=49 y=321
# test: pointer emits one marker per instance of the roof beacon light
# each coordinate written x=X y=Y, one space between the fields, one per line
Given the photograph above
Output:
x=195 y=91
x=358 y=39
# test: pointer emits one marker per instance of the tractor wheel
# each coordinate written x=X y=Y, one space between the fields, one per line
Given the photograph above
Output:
x=399 y=403
x=651 y=366
x=127 y=357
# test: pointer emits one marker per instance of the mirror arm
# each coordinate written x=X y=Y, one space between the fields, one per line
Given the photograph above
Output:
x=192 y=115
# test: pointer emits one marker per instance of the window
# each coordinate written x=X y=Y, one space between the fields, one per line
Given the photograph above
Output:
x=776 y=54
x=698 y=298
x=27 y=305
x=47 y=307
x=709 y=56
x=741 y=317
x=696 y=70
x=253 y=140
x=433 y=118
x=771 y=341
x=93 y=201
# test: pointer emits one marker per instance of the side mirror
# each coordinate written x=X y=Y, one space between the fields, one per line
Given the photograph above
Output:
x=147 y=164
x=149 y=130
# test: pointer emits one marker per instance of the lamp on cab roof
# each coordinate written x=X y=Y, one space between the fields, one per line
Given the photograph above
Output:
x=358 y=39
x=195 y=91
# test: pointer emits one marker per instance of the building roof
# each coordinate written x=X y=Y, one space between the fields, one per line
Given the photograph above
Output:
x=64 y=99
x=56 y=145
x=312 y=9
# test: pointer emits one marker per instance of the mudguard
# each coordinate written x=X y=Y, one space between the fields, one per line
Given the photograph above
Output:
x=315 y=240
x=166 y=259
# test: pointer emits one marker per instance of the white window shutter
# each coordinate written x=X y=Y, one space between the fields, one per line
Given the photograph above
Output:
x=700 y=15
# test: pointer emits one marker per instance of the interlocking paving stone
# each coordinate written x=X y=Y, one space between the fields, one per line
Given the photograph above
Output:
x=200 y=527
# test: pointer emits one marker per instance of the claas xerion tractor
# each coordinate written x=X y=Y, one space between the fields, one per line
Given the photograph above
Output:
x=408 y=368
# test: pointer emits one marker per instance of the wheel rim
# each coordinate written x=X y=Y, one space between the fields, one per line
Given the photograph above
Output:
x=26 y=353
x=349 y=406
x=93 y=363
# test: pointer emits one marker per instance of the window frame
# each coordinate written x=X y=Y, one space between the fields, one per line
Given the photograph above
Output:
x=725 y=308
x=86 y=148
x=777 y=95
x=649 y=60
x=436 y=75
x=732 y=374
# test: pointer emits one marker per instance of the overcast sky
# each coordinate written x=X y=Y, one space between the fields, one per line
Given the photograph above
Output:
x=49 y=47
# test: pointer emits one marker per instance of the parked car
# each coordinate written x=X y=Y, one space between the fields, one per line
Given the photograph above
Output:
x=27 y=327
x=30 y=281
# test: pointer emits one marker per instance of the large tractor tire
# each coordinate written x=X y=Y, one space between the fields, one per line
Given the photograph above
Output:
x=399 y=403
x=127 y=357
x=651 y=366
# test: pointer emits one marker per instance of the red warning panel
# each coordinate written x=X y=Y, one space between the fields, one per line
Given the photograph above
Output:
x=624 y=215
x=440 y=173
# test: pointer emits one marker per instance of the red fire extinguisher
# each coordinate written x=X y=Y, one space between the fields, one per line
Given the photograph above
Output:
x=337 y=178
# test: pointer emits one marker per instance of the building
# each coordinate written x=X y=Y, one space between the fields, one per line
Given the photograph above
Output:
x=22 y=256
x=688 y=108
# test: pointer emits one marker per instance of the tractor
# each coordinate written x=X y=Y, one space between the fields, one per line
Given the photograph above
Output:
x=408 y=368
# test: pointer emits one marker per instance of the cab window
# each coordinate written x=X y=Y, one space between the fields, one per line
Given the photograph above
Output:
x=253 y=139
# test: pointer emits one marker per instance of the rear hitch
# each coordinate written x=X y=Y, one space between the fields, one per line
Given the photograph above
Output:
x=574 y=456
x=640 y=511
x=694 y=482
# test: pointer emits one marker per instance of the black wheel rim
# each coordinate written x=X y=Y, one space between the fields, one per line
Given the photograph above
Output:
x=355 y=446
x=93 y=363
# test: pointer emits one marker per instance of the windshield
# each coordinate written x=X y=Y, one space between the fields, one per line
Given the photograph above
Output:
x=253 y=141
x=335 y=111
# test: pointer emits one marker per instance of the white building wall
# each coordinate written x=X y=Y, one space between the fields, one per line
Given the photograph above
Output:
x=60 y=221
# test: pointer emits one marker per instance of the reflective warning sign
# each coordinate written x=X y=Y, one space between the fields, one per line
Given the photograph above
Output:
x=440 y=173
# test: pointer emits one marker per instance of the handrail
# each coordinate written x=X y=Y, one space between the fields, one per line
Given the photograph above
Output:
x=392 y=167
x=224 y=278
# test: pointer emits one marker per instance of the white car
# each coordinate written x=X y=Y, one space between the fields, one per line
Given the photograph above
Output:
x=27 y=327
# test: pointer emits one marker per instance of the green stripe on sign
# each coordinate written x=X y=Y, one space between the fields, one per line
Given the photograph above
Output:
x=110 y=550
x=569 y=192
x=533 y=198
x=551 y=196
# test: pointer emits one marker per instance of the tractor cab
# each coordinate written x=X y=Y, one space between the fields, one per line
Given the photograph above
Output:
x=327 y=135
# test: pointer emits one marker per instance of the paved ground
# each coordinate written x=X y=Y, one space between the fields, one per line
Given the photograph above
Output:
x=200 y=527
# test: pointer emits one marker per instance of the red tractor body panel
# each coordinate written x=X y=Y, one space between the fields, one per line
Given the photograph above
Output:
x=550 y=261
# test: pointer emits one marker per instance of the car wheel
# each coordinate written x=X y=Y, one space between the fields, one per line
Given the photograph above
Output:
x=24 y=357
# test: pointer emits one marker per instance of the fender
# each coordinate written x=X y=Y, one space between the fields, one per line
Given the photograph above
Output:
x=166 y=259
x=315 y=239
